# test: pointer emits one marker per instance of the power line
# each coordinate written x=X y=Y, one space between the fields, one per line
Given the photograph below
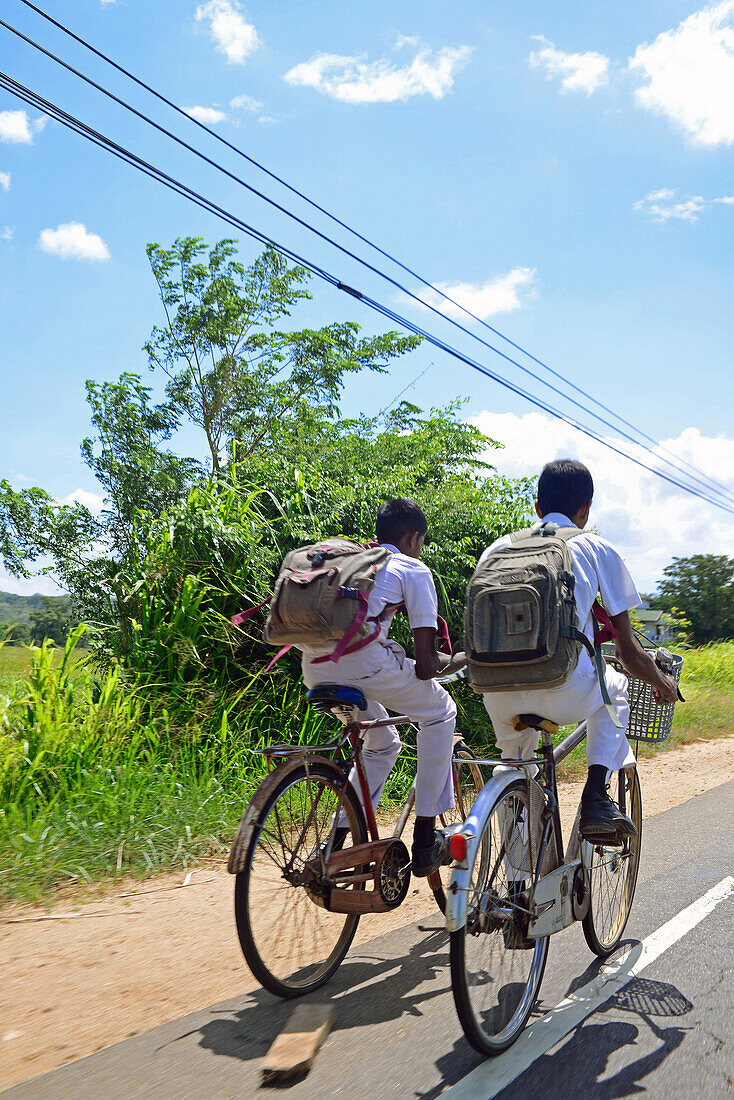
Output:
x=682 y=467
x=97 y=138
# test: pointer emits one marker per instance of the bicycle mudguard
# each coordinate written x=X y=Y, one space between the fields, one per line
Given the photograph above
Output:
x=457 y=894
x=252 y=817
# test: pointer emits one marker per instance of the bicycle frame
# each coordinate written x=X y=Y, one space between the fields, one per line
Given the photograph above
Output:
x=505 y=773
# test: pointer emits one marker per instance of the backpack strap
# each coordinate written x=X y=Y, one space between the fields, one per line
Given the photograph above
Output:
x=243 y=616
x=548 y=530
x=595 y=653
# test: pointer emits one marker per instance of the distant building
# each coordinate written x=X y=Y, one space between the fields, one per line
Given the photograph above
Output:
x=652 y=625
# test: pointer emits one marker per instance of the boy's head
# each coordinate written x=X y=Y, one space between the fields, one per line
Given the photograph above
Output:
x=402 y=523
x=565 y=486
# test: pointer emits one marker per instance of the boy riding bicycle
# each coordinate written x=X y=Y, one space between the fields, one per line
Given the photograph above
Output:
x=385 y=675
x=565 y=492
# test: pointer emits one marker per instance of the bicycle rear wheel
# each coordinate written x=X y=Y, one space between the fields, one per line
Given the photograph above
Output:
x=613 y=871
x=291 y=943
x=468 y=781
x=495 y=970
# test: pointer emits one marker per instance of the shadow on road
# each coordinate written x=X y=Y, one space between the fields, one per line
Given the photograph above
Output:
x=584 y=1058
x=365 y=990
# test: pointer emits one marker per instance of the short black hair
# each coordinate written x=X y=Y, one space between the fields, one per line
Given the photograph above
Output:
x=399 y=517
x=564 y=486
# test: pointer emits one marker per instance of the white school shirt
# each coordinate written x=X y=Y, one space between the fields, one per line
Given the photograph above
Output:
x=598 y=569
x=401 y=580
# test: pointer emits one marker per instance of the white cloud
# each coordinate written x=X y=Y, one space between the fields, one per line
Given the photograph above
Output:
x=649 y=520
x=208 y=115
x=6 y=233
x=662 y=205
x=73 y=241
x=245 y=103
x=581 y=72
x=15 y=127
x=234 y=36
x=690 y=74
x=357 y=80
x=500 y=295
x=93 y=501
x=5 y=181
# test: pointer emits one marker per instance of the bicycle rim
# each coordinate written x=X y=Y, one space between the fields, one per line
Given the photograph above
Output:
x=613 y=871
x=292 y=944
x=468 y=781
x=495 y=971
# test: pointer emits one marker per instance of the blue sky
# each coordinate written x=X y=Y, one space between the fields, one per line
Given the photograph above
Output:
x=564 y=167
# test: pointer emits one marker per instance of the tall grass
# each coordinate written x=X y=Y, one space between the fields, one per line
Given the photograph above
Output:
x=93 y=783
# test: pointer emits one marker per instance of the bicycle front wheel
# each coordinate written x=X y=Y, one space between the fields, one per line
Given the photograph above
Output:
x=291 y=943
x=496 y=970
x=468 y=781
x=612 y=871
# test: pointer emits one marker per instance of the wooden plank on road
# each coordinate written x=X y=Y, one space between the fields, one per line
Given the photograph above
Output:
x=297 y=1045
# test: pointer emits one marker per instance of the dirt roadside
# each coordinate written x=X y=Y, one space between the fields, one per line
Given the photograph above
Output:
x=122 y=964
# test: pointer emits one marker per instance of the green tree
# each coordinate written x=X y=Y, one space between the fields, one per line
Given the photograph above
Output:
x=231 y=370
x=701 y=589
x=135 y=472
x=52 y=620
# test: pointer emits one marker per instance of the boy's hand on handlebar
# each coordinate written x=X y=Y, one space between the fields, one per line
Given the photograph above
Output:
x=456 y=662
x=666 y=691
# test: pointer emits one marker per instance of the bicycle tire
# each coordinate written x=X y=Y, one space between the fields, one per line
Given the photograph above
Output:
x=439 y=879
x=470 y=981
x=613 y=872
x=303 y=981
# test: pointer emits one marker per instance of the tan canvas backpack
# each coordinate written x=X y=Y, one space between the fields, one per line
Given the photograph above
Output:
x=520 y=621
x=320 y=598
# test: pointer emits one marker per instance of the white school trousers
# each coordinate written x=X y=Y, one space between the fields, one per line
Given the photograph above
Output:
x=580 y=697
x=387 y=678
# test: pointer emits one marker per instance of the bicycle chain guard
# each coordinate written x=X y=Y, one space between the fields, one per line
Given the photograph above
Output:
x=384 y=863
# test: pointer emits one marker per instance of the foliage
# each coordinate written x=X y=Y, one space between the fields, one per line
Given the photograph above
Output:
x=127 y=460
x=702 y=589
x=16 y=633
x=231 y=371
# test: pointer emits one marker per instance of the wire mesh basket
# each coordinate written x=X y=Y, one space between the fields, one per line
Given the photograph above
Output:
x=649 y=721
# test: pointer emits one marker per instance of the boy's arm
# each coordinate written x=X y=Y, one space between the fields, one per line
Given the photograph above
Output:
x=639 y=663
x=428 y=661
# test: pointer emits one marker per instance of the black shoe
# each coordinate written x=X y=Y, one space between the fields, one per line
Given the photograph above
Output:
x=428 y=860
x=602 y=822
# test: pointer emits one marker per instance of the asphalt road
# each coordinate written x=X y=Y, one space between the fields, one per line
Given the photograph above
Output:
x=668 y=1032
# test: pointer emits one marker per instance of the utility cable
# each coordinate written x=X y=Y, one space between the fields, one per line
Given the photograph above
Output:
x=39 y=103
x=682 y=467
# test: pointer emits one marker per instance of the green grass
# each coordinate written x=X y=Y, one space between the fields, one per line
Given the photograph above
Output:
x=97 y=781
x=15 y=662
x=92 y=785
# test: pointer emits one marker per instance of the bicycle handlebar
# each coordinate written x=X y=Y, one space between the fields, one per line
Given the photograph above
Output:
x=452 y=677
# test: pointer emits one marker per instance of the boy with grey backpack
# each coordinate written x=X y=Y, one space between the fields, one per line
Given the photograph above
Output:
x=529 y=638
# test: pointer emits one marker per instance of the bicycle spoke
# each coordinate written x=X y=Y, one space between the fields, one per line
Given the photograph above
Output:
x=290 y=939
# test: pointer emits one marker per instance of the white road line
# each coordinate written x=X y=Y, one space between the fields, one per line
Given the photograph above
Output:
x=496 y=1073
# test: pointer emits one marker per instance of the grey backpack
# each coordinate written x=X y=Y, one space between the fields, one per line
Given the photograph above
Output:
x=520 y=621
x=320 y=597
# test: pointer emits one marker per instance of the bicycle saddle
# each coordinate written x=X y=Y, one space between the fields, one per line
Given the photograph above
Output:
x=325 y=696
x=534 y=721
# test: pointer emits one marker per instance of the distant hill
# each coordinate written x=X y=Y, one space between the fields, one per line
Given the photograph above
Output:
x=18 y=609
